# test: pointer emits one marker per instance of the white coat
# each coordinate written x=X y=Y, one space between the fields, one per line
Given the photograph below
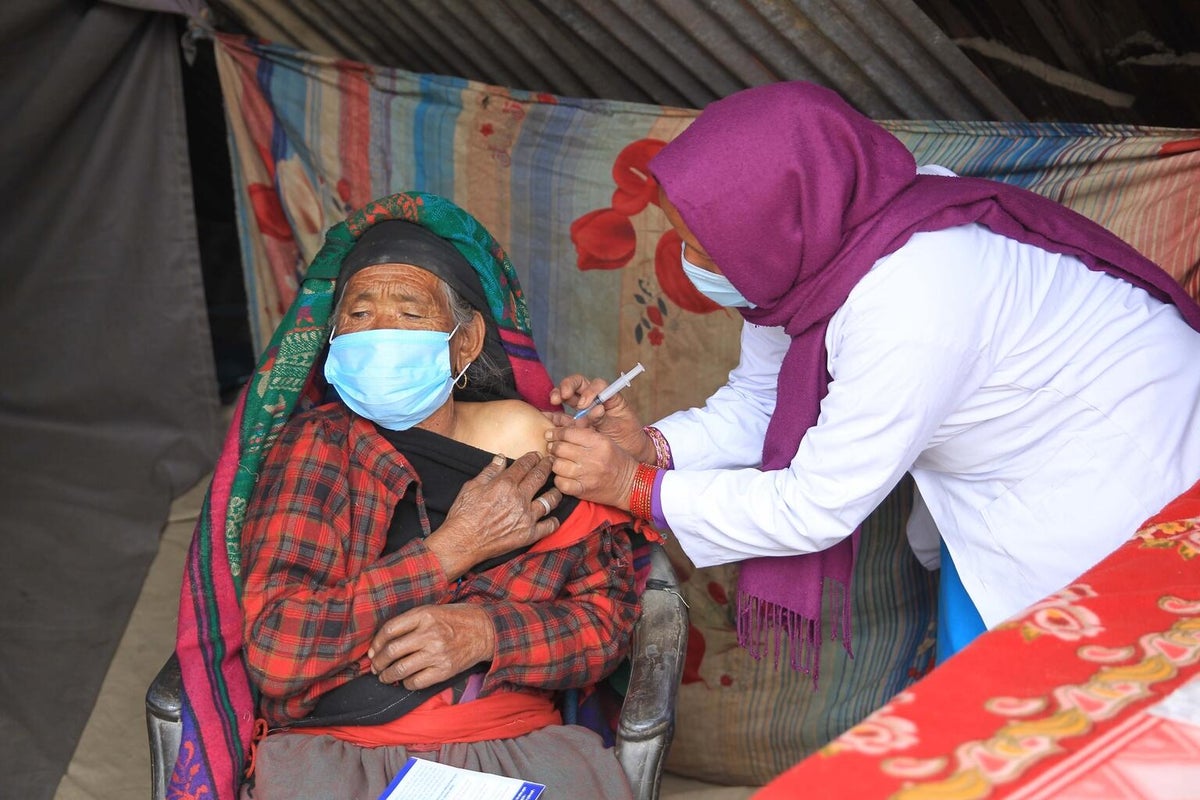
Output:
x=1044 y=410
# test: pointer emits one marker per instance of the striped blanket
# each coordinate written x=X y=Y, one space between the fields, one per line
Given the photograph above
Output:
x=562 y=183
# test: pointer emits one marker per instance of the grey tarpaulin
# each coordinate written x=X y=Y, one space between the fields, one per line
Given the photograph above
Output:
x=108 y=401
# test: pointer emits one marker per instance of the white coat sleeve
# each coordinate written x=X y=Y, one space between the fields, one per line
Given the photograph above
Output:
x=904 y=351
x=728 y=431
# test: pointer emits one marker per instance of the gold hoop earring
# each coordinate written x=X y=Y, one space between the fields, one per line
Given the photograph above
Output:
x=461 y=381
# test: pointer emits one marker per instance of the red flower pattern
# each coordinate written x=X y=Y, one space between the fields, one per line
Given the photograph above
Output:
x=268 y=212
x=636 y=188
x=693 y=657
x=717 y=592
x=653 y=315
x=603 y=239
x=606 y=239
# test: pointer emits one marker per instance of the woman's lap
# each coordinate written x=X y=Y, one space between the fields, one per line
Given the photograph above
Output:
x=568 y=759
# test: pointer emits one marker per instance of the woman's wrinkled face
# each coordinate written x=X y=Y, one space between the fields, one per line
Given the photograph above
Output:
x=692 y=250
x=395 y=296
x=404 y=297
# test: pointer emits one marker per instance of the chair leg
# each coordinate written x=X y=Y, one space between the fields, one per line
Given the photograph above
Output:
x=164 y=705
x=647 y=722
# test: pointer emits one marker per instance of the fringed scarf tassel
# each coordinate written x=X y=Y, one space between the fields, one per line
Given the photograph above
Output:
x=760 y=621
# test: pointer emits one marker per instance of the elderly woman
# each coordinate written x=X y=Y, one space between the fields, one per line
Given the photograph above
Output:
x=409 y=591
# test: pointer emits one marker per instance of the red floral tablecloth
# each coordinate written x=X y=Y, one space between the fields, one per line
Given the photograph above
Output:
x=1063 y=701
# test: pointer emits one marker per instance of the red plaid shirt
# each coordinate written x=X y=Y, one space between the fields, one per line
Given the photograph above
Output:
x=315 y=590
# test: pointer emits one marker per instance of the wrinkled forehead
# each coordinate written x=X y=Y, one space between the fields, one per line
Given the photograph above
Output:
x=393 y=279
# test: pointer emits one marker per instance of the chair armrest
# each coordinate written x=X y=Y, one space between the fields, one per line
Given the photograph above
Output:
x=647 y=722
x=164 y=704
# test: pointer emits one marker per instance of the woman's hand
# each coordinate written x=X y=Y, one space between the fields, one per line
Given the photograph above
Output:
x=591 y=466
x=428 y=644
x=496 y=513
x=615 y=418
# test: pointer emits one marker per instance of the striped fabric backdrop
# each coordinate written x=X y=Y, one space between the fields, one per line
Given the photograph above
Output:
x=562 y=184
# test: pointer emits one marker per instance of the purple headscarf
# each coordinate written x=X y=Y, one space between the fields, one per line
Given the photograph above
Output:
x=795 y=195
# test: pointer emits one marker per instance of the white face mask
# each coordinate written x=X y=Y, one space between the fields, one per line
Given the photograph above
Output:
x=713 y=286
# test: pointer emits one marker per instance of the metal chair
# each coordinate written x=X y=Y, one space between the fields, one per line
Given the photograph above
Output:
x=647 y=719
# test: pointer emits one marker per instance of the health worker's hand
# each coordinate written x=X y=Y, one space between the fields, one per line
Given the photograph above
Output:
x=615 y=418
x=495 y=513
x=428 y=644
x=591 y=466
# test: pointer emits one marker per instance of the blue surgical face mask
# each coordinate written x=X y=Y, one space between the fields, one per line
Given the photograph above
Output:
x=713 y=286
x=396 y=378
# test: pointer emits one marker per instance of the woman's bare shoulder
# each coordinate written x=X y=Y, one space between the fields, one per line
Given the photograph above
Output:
x=511 y=427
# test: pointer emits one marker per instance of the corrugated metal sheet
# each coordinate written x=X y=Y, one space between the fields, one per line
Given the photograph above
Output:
x=885 y=56
x=1096 y=61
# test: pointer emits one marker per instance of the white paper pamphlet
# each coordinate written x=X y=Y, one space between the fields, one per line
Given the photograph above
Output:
x=428 y=780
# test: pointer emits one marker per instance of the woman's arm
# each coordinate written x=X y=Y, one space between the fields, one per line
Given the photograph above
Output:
x=314 y=590
x=909 y=347
x=579 y=637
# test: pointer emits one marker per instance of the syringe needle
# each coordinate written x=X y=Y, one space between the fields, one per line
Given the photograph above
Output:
x=609 y=391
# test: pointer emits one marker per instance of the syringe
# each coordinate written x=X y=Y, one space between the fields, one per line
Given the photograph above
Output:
x=608 y=391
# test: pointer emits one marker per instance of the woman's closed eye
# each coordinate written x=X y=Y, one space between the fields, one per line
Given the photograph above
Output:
x=403 y=312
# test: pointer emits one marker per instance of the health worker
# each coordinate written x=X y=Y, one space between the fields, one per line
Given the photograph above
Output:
x=1036 y=375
